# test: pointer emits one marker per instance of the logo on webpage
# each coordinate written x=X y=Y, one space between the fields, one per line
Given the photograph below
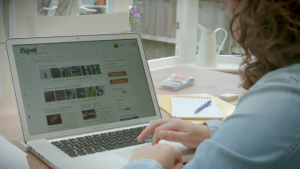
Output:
x=28 y=51
x=115 y=45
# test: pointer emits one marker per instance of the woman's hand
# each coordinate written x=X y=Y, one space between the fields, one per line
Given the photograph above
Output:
x=167 y=156
x=176 y=130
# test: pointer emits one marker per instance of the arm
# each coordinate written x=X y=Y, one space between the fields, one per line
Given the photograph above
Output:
x=264 y=131
x=213 y=126
x=152 y=164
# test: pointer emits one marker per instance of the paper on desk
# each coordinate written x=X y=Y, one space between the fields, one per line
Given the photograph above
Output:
x=11 y=157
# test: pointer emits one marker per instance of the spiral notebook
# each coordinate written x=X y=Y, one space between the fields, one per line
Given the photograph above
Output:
x=184 y=107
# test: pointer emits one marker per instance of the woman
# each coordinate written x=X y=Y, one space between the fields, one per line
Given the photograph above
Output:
x=264 y=130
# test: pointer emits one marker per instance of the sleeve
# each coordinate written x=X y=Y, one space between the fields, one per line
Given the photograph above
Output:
x=144 y=164
x=263 y=132
x=213 y=126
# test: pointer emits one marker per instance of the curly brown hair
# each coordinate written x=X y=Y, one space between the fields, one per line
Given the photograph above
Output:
x=269 y=33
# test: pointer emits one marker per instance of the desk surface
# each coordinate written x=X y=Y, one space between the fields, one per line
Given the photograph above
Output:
x=209 y=82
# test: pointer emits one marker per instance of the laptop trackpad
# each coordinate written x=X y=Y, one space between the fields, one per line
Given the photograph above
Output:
x=129 y=151
x=187 y=153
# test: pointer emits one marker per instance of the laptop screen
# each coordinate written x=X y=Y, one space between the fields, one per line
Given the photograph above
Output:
x=79 y=84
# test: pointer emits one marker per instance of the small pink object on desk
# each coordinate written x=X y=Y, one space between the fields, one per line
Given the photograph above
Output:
x=176 y=82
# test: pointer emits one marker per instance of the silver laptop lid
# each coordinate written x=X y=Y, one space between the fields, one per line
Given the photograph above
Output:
x=72 y=85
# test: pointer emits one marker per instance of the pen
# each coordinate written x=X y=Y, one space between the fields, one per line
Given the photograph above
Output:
x=207 y=104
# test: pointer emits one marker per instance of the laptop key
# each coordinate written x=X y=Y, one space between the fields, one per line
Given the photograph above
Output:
x=113 y=137
x=133 y=129
x=81 y=153
x=56 y=143
x=79 y=144
x=88 y=141
x=140 y=128
x=127 y=140
x=86 y=144
x=73 y=155
x=79 y=150
x=98 y=141
x=111 y=133
x=93 y=143
x=112 y=144
x=96 y=146
x=72 y=140
x=126 y=137
x=104 y=145
x=123 y=145
x=134 y=135
x=126 y=131
x=90 y=151
x=103 y=141
x=88 y=137
x=148 y=140
x=67 y=149
x=99 y=149
x=80 y=139
x=96 y=136
x=70 y=151
x=105 y=137
x=119 y=132
x=72 y=144
x=149 y=137
x=63 y=146
x=64 y=142
x=88 y=148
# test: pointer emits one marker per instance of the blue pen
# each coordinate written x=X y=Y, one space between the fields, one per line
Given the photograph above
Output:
x=207 y=104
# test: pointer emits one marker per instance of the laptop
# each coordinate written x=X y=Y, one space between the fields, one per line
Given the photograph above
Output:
x=83 y=100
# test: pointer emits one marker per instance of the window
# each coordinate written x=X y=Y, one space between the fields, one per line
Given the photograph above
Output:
x=212 y=14
x=155 y=20
x=71 y=7
x=168 y=27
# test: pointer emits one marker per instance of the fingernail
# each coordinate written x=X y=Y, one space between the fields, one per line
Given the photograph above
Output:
x=163 y=134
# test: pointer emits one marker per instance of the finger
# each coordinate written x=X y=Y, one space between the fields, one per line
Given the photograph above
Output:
x=174 y=136
x=168 y=126
x=150 y=129
x=178 y=166
x=178 y=156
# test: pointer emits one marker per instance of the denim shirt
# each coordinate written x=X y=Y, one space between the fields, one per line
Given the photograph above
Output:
x=263 y=132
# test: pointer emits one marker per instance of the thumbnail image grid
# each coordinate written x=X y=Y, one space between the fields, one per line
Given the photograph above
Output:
x=89 y=114
x=73 y=71
x=54 y=119
x=77 y=93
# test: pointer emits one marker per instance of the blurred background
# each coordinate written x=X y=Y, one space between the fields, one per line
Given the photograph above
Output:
x=158 y=22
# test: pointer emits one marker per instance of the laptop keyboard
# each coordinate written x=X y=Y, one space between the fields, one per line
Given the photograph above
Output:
x=90 y=144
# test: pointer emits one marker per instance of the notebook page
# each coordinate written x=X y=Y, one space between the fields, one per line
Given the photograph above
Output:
x=184 y=107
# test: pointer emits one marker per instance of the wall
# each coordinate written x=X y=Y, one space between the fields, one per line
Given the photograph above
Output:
x=23 y=22
x=5 y=78
x=23 y=10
